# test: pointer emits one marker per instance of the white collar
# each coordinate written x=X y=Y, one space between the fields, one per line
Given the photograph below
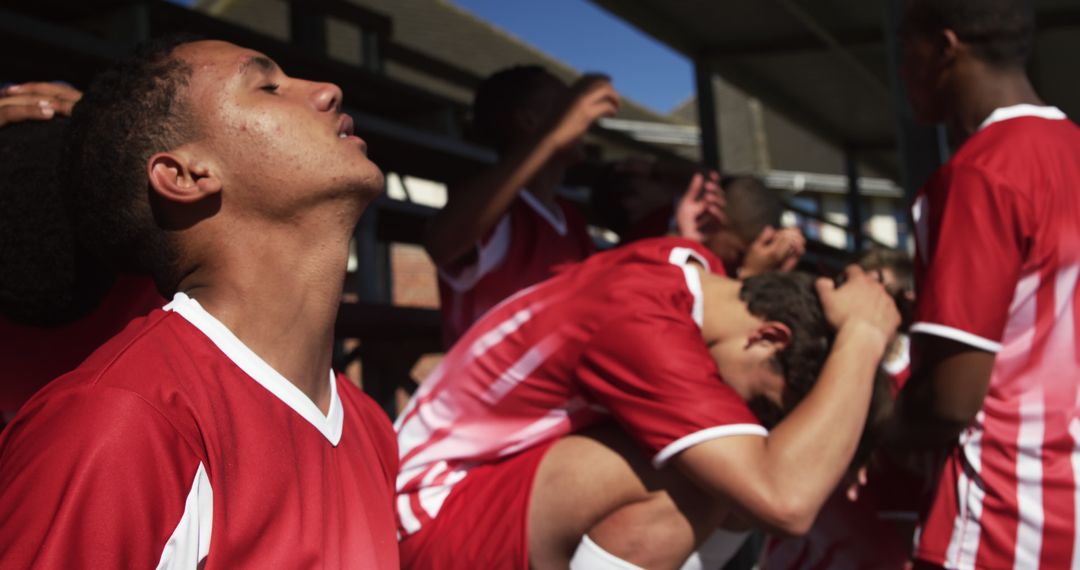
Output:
x=1022 y=110
x=682 y=256
x=556 y=218
x=259 y=370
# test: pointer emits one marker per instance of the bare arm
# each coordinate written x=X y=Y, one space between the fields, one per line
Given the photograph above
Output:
x=475 y=206
x=942 y=396
x=781 y=481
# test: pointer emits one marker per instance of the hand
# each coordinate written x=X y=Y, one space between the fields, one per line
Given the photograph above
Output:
x=592 y=97
x=773 y=250
x=36 y=101
x=860 y=300
x=700 y=212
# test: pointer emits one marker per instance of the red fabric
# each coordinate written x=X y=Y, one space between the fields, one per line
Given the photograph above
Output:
x=484 y=522
x=96 y=468
x=32 y=356
x=612 y=338
x=534 y=250
x=997 y=263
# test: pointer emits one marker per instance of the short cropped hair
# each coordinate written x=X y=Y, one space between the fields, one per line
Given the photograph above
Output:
x=791 y=298
x=43 y=281
x=894 y=260
x=751 y=206
x=498 y=97
x=1000 y=32
x=132 y=110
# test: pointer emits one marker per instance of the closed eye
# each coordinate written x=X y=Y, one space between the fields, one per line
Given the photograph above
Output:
x=270 y=88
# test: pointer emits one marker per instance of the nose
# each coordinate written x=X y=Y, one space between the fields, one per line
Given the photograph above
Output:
x=327 y=97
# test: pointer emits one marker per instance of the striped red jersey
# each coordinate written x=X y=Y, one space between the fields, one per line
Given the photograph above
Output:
x=998 y=233
x=616 y=337
x=523 y=248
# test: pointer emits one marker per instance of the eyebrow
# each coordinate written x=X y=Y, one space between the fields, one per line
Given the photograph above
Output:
x=262 y=63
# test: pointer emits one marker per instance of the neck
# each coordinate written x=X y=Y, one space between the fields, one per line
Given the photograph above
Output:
x=985 y=88
x=278 y=290
x=724 y=313
x=545 y=182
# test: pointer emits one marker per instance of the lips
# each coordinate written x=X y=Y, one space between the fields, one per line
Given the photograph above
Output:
x=345 y=126
x=345 y=132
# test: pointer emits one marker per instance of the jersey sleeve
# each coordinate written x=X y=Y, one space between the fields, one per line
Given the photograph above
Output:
x=971 y=231
x=100 y=479
x=652 y=371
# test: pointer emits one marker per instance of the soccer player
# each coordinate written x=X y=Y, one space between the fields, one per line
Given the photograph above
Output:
x=750 y=241
x=210 y=434
x=506 y=228
x=524 y=448
x=997 y=361
x=55 y=309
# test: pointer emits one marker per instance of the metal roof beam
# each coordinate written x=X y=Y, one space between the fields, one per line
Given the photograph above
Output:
x=834 y=44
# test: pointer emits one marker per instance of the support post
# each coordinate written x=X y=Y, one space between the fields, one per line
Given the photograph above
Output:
x=707 y=115
x=854 y=199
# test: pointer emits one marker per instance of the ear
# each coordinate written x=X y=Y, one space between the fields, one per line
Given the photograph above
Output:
x=948 y=47
x=177 y=178
x=772 y=333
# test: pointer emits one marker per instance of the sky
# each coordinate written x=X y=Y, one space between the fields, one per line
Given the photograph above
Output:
x=590 y=39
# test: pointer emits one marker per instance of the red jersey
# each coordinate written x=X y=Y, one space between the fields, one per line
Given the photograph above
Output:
x=523 y=248
x=616 y=337
x=996 y=268
x=176 y=446
x=32 y=356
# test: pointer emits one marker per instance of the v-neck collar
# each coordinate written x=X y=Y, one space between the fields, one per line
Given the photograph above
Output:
x=329 y=425
x=556 y=218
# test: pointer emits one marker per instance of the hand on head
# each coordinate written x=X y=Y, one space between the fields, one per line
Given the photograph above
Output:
x=36 y=101
x=701 y=209
x=861 y=299
x=774 y=250
x=591 y=97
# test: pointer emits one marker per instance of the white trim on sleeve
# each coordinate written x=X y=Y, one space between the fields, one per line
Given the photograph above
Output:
x=489 y=255
x=716 y=432
x=934 y=329
x=189 y=543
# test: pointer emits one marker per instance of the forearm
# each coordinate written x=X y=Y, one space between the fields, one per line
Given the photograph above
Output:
x=475 y=206
x=808 y=452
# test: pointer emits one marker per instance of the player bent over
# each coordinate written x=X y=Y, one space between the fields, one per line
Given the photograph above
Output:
x=614 y=413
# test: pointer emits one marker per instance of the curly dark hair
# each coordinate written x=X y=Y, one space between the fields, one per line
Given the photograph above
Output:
x=44 y=281
x=498 y=97
x=792 y=299
x=132 y=110
x=1000 y=32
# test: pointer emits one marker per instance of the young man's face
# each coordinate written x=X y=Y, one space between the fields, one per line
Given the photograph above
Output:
x=278 y=143
x=746 y=366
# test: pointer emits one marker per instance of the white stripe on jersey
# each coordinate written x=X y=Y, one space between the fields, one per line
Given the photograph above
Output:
x=408 y=520
x=433 y=497
x=526 y=437
x=1029 y=480
x=189 y=543
x=526 y=365
x=964 y=544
